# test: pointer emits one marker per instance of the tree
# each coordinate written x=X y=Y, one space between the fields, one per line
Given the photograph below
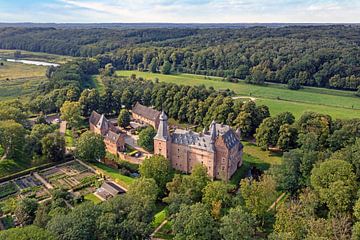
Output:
x=124 y=118
x=194 y=222
x=294 y=84
x=166 y=68
x=77 y=224
x=53 y=146
x=335 y=182
x=288 y=174
x=90 y=147
x=153 y=65
x=27 y=233
x=158 y=168
x=109 y=70
x=258 y=196
x=217 y=193
x=126 y=98
x=13 y=113
x=238 y=224
x=146 y=138
x=287 y=137
x=25 y=211
x=71 y=112
x=186 y=189
x=89 y=101
x=12 y=139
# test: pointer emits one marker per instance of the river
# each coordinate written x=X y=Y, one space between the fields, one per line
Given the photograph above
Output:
x=37 y=63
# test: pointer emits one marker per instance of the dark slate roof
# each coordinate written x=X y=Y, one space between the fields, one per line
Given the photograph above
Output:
x=112 y=188
x=228 y=135
x=146 y=112
x=94 y=118
x=112 y=136
x=190 y=138
x=203 y=140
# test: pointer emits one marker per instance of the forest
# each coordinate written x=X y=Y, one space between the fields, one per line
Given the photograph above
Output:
x=322 y=56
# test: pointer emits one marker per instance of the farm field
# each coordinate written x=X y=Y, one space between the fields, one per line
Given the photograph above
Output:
x=19 y=80
x=337 y=103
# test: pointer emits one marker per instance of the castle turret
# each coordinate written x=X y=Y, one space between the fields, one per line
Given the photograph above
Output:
x=162 y=138
x=213 y=131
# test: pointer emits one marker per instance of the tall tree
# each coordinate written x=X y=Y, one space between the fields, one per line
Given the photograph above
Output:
x=335 y=182
x=158 y=168
x=12 y=139
x=238 y=224
x=124 y=118
x=195 y=222
x=90 y=147
x=71 y=112
x=53 y=146
x=146 y=138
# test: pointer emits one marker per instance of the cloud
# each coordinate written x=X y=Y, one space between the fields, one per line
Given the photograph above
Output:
x=182 y=11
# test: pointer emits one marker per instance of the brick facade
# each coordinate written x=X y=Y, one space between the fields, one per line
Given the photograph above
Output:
x=114 y=140
x=219 y=150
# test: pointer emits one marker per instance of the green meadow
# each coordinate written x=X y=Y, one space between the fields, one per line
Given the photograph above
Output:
x=19 y=80
x=336 y=103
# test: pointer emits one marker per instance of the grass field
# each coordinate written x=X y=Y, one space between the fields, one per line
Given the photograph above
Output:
x=338 y=104
x=19 y=80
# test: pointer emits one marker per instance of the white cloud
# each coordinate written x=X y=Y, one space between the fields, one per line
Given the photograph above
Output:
x=182 y=11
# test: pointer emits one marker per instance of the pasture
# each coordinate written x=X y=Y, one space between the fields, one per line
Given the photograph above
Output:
x=19 y=80
x=336 y=103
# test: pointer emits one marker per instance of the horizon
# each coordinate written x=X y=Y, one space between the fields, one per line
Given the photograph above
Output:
x=181 y=11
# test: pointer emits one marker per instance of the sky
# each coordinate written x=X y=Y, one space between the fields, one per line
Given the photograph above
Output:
x=180 y=11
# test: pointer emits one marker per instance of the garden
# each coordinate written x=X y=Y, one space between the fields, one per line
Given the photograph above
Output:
x=71 y=175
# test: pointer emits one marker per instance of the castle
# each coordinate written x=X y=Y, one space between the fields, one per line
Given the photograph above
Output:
x=113 y=138
x=219 y=149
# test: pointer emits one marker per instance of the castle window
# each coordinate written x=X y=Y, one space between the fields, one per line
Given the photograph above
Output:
x=223 y=168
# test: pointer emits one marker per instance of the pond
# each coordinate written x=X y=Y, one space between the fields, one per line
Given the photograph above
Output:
x=37 y=63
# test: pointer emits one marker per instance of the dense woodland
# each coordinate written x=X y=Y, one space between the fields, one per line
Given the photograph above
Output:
x=323 y=56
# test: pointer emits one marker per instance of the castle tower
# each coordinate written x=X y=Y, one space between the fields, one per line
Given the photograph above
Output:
x=162 y=138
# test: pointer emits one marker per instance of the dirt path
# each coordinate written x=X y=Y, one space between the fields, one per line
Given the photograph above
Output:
x=43 y=181
x=251 y=98
x=157 y=229
x=62 y=129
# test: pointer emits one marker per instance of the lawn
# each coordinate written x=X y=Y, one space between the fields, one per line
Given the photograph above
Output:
x=338 y=104
x=93 y=198
x=97 y=83
x=114 y=174
x=265 y=156
x=254 y=156
x=19 y=80
x=248 y=162
x=69 y=138
x=9 y=166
